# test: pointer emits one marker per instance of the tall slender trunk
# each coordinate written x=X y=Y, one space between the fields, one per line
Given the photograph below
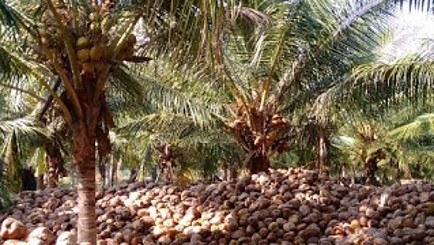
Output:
x=102 y=171
x=114 y=172
x=53 y=161
x=397 y=175
x=226 y=172
x=84 y=158
x=40 y=181
x=134 y=173
x=167 y=171
x=407 y=171
x=233 y=173
x=108 y=173
x=321 y=151
x=371 y=166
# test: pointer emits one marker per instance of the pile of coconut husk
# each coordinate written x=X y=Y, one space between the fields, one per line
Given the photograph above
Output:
x=293 y=206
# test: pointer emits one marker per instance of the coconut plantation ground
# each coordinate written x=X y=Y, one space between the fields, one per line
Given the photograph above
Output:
x=222 y=122
x=291 y=206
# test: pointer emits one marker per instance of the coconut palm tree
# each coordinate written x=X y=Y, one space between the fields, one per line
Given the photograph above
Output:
x=18 y=132
x=85 y=44
x=387 y=143
x=301 y=50
x=280 y=70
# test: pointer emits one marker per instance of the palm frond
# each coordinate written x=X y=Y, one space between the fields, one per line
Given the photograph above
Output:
x=22 y=126
x=421 y=126
x=6 y=15
x=161 y=95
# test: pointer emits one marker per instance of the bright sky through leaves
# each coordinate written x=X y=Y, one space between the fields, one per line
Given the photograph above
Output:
x=411 y=32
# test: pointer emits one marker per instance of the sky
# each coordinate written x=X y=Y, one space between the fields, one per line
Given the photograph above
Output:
x=411 y=30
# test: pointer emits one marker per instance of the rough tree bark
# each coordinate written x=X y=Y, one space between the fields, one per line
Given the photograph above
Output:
x=102 y=171
x=397 y=173
x=407 y=172
x=40 y=181
x=259 y=162
x=115 y=171
x=84 y=159
x=167 y=171
x=167 y=158
x=371 y=166
x=230 y=172
x=321 y=152
x=54 y=162
x=133 y=174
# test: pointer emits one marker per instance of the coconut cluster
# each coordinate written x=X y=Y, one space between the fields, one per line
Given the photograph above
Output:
x=267 y=130
x=293 y=206
x=90 y=55
x=94 y=45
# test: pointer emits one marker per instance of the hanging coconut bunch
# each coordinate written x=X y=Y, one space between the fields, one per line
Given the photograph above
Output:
x=259 y=129
x=92 y=44
x=166 y=159
x=278 y=120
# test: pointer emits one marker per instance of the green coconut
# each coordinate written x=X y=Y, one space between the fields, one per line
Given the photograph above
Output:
x=83 y=55
x=83 y=42
x=93 y=16
x=96 y=52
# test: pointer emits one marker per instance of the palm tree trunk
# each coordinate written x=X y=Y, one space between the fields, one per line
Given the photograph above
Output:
x=134 y=173
x=109 y=171
x=102 y=171
x=226 y=172
x=395 y=163
x=54 y=161
x=40 y=182
x=407 y=171
x=321 y=152
x=39 y=179
x=370 y=168
x=233 y=173
x=166 y=171
x=258 y=162
x=114 y=172
x=84 y=158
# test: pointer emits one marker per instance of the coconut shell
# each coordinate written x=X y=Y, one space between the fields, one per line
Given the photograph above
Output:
x=96 y=52
x=82 y=42
x=83 y=55
x=286 y=206
x=93 y=16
